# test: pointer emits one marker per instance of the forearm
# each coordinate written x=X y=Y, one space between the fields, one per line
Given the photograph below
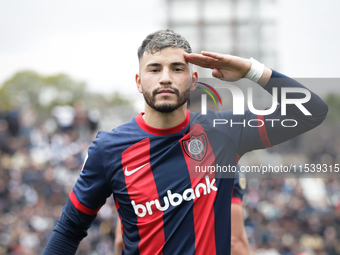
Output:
x=272 y=79
x=267 y=73
x=239 y=241
x=315 y=106
x=58 y=244
x=118 y=238
x=69 y=231
x=239 y=245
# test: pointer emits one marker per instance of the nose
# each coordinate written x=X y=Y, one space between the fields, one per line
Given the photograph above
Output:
x=166 y=77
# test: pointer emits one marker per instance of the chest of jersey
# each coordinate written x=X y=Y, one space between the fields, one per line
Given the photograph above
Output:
x=159 y=174
x=159 y=196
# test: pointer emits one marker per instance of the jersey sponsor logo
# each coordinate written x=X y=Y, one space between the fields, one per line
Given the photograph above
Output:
x=128 y=173
x=196 y=146
x=175 y=199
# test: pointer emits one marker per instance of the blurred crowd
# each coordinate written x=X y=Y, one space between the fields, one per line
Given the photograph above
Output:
x=40 y=160
x=282 y=219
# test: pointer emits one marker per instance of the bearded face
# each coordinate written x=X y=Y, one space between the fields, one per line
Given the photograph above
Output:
x=166 y=105
x=165 y=79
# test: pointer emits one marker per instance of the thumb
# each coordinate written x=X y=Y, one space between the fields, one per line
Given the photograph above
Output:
x=216 y=73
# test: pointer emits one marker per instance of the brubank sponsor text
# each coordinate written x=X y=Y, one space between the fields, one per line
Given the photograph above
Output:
x=175 y=199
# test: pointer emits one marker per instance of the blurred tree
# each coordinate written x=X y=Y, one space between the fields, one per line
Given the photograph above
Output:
x=28 y=88
x=333 y=102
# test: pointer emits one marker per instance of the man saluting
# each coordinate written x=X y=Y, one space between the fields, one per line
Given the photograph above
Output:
x=145 y=163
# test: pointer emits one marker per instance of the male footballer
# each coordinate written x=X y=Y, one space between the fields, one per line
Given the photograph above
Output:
x=147 y=163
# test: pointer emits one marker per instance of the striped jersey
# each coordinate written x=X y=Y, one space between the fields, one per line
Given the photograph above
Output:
x=168 y=199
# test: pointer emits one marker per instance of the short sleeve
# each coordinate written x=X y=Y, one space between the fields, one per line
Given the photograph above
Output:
x=92 y=187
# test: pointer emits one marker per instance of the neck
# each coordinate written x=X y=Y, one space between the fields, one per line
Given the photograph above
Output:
x=164 y=120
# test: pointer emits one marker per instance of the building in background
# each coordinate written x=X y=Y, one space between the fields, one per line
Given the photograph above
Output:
x=245 y=28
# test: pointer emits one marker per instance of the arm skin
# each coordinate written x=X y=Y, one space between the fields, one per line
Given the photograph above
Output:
x=118 y=238
x=226 y=67
x=239 y=241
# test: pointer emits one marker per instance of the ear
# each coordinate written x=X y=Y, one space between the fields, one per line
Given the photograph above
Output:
x=194 y=79
x=139 y=83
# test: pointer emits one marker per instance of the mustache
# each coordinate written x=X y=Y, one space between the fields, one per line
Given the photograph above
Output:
x=175 y=90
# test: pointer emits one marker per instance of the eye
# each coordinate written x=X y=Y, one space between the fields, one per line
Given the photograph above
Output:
x=178 y=70
x=154 y=70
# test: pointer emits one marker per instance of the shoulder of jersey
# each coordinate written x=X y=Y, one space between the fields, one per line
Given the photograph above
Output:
x=197 y=117
x=127 y=129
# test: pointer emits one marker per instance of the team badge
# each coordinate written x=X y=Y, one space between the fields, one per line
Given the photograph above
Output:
x=196 y=147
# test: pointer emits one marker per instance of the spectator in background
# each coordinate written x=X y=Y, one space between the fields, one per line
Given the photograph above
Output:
x=64 y=115
x=13 y=119
x=4 y=137
x=93 y=119
x=80 y=118
x=28 y=118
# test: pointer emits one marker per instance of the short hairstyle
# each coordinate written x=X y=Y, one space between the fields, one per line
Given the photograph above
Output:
x=162 y=39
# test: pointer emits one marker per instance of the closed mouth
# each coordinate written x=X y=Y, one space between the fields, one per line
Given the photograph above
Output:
x=166 y=91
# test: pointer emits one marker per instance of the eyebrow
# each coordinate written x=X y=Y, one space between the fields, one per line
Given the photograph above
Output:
x=172 y=64
x=178 y=64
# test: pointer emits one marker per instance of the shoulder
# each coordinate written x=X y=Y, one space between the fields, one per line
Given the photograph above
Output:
x=114 y=142
x=211 y=113
x=116 y=134
x=199 y=118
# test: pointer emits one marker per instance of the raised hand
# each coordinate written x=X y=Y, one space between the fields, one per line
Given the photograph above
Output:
x=223 y=66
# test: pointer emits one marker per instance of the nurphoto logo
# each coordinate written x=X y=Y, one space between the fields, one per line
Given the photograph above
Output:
x=238 y=99
x=204 y=97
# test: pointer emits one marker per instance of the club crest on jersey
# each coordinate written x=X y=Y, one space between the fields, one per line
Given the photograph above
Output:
x=196 y=146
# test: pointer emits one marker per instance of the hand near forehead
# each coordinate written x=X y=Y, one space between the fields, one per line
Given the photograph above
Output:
x=223 y=66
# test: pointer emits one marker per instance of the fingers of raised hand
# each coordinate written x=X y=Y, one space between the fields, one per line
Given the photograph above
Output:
x=213 y=55
x=217 y=73
x=203 y=61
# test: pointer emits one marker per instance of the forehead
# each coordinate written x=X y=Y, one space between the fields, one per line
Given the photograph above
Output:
x=164 y=57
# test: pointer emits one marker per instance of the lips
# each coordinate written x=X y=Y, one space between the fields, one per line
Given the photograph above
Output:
x=166 y=92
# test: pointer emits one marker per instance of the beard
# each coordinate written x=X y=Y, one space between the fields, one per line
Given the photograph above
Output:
x=165 y=107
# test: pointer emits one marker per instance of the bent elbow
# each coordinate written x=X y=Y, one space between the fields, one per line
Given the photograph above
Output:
x=317 y=116
x=325 y=110
x=323 y=113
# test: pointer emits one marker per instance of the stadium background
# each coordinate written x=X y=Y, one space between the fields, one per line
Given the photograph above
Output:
x=48 y=119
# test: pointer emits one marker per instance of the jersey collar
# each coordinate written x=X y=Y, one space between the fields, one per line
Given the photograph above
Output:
x=159 y=131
